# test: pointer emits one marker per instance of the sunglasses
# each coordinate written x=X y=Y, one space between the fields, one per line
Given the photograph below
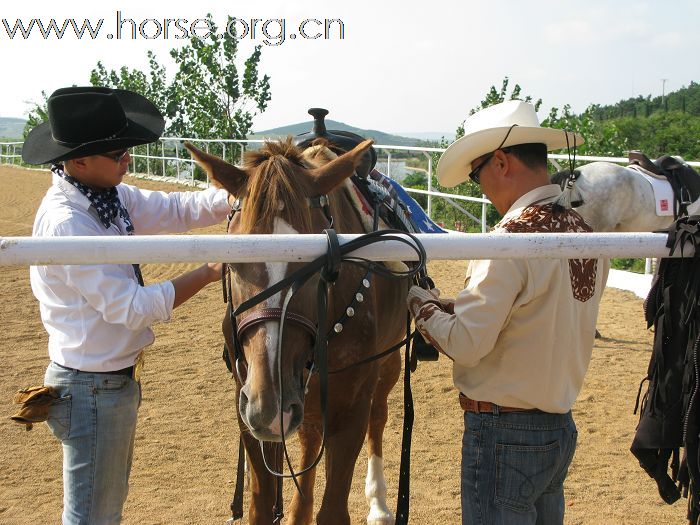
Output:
x=117 y=156
x=474 y=174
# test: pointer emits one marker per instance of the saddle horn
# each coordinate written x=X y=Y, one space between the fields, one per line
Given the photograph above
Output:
x=342 y=140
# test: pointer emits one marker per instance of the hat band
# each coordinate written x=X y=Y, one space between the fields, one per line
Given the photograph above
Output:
x=76 y=144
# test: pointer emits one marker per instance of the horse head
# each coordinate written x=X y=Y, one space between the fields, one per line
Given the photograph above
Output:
x=274 y=188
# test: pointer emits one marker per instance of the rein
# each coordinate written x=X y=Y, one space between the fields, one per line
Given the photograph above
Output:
x=327 y=266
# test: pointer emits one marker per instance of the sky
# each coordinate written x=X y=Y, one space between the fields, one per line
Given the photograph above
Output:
x=400 y=66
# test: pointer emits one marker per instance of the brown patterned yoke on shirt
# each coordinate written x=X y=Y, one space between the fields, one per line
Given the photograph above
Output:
x=542 y=219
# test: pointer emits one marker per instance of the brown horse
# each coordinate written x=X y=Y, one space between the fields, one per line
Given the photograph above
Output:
x=275 y=186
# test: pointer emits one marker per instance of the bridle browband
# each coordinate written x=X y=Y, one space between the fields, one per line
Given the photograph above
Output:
x=327 y=266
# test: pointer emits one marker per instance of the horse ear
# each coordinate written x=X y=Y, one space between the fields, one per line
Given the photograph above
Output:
x=336 y=171
x=223 y=174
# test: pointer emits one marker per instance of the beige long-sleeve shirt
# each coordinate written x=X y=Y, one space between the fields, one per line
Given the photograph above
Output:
x=522 y=330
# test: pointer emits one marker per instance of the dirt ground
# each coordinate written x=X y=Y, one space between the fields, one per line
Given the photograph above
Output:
x=187 y=435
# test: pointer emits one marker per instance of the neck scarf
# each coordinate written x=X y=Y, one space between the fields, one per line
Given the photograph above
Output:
x=106 y=204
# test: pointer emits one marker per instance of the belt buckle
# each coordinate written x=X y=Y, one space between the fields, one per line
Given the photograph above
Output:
x=138 y=365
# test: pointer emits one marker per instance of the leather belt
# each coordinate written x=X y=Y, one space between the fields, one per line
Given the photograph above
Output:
x=486 y=407
x=128 y=371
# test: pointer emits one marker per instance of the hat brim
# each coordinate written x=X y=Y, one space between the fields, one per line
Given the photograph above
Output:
x=145 y=125
x=454 y=165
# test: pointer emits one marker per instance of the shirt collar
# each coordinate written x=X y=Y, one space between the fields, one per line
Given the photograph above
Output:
x=541 y=194
x=72 y=193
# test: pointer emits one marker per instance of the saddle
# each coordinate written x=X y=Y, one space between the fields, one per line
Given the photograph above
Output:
x=669 y=413
x=684 y=180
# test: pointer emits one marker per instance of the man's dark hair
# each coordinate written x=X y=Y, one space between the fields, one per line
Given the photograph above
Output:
x=533 y=155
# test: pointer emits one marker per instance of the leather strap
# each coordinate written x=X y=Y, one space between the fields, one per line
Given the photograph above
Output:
x=274 y=314
x=486 y=407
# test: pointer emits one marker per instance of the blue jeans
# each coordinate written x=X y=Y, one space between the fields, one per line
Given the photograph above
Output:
x=95 y=420
x=514 y=465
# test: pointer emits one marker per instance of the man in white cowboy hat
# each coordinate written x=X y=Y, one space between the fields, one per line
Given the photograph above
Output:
x=521 y=332
x=98 y=317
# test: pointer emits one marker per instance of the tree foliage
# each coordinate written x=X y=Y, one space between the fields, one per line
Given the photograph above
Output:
x=208 y=97
x=214 y=100
x=37 y=115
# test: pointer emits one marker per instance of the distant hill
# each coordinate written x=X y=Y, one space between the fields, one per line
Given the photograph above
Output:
x=434 y=136
x=11 y=128
x=380 y=137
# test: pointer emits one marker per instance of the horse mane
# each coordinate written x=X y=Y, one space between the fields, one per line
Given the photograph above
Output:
x=274 y=186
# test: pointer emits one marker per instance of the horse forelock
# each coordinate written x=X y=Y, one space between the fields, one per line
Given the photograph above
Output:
x=276 y=188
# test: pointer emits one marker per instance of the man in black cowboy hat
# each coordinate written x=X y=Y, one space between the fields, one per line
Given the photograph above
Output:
x=521 y=332
x=98 y=317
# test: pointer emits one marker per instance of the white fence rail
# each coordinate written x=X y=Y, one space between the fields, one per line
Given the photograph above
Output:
x=300 y=248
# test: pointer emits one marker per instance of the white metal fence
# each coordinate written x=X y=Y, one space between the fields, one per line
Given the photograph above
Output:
x=299 y=248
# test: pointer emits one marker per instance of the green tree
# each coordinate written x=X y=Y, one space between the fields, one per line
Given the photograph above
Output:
x=214 y=100
x=153 y=85
x=37 y=115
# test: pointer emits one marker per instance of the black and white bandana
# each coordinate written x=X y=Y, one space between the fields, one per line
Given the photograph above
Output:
x=106 y=204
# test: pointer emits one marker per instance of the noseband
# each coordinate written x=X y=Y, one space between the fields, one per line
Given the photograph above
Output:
x=274 y=314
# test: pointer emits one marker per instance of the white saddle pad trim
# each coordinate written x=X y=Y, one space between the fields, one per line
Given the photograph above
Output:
x=663 y=193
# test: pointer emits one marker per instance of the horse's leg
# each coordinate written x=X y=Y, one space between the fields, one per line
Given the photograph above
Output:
x=343 y=445
x=375 y=483
x=301 y=511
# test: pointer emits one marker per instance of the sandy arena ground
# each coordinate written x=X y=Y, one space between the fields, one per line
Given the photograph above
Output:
x=187 y=436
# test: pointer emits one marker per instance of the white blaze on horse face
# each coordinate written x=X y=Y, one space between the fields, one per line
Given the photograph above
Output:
x=275 y=273
x=375 y=492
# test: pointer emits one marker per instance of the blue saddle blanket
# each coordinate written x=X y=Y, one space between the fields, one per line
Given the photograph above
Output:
x=398 y=199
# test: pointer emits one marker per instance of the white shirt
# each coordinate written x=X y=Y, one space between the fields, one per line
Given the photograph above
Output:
x=97 y=316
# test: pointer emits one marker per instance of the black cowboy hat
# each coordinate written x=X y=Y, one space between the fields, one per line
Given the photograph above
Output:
x=85 y=121
x=342 y=140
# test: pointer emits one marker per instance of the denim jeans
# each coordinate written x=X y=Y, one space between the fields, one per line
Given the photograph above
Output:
x=95 y=420
x=514 y=465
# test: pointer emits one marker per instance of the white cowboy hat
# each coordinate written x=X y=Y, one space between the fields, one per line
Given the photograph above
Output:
x=485 y=131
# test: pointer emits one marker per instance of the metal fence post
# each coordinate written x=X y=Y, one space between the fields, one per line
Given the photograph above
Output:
x=177 y=162
x=430 y=184
x=162 y=154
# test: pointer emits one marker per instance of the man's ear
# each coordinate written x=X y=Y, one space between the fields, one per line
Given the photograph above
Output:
x=75 y=166
x=502 y=163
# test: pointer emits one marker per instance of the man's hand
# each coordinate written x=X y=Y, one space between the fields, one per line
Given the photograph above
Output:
x=418 y=297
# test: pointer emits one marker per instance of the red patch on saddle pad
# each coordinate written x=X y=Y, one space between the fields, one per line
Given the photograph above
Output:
x=663 y=204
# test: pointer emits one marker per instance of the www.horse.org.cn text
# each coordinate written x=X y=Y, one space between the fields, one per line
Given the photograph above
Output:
x=267 y=31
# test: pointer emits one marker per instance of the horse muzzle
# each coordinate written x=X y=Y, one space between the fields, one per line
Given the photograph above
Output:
x=261 y=413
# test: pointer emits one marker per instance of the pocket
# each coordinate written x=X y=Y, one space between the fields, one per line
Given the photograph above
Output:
x=112 y=383
x=523 y=473
x=59 y=417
